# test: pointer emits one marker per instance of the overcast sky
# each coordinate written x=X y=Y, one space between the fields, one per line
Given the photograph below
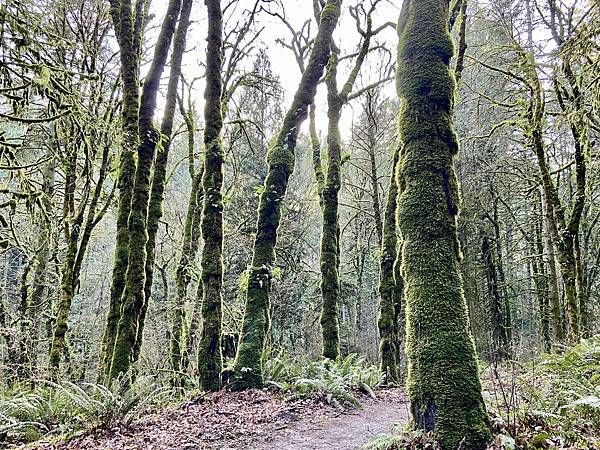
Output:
x=282 y=60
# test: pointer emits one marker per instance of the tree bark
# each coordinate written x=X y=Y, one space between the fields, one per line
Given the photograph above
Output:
x=133 y=299
x=155 y=210
x=439 y=345
x=123 y=23
x=389 y=303
x=248 y=363
x=210 y=359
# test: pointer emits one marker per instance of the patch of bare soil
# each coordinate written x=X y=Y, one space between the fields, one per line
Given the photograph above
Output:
x=251 y=420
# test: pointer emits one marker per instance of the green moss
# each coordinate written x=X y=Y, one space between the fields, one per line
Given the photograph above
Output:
x=387 y=321
x=330 y=248
x=248 y=364
x=443 y=381
x=210 y=359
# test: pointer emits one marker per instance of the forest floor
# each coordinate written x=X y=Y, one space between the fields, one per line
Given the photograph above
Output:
x=251 y=420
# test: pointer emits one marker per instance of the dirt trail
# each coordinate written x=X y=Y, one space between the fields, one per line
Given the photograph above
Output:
x=347 y=431
x=254 y=420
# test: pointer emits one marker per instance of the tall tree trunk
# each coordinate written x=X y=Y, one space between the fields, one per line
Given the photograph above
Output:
x=133 y=298
x=210 y=359
x=72 y=228
x=372 y=129
x=189 y=249
x=123 y=23
x=248 y=363
x=330 y=279
x=555 y=306
x=562 y=231
x=330 y=237
x=506 y=316
x=387 y=321
x=155 y=210
x=439 y=345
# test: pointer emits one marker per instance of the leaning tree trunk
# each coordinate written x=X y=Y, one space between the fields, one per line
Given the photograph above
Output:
x=443 y=379
x=388 y=304
x=248 y=363
x=210 y=359
x=133 y=298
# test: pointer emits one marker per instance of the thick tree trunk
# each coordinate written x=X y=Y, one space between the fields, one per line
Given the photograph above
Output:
x=210 y=359
x=248 y=364
x=439 y=345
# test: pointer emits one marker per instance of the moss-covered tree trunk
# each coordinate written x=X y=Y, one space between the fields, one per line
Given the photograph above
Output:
x=374 y=178
x=183 y=273
x=387 y=322
x=123 y=23
x=330 y=278
x=210 y=360
x=562 y=232
x=71 y=227
x=155 y=210
x=133 y=298
x=248 y=363
x=506 y=309
x=443 y=379
x=330 y=236
x=189 y=249
x=555 y=305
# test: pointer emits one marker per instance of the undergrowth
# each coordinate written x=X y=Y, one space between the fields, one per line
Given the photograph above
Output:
x=552 y=402
x=52 y=409
x=337 y=381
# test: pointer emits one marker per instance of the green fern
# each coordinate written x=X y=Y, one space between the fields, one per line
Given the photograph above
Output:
x=57 y=408
x=335 y=380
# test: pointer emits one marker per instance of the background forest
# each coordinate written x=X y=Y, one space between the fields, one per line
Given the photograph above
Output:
x=133 y=160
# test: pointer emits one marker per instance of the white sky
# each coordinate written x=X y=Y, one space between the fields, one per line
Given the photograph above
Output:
x=282 y=60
